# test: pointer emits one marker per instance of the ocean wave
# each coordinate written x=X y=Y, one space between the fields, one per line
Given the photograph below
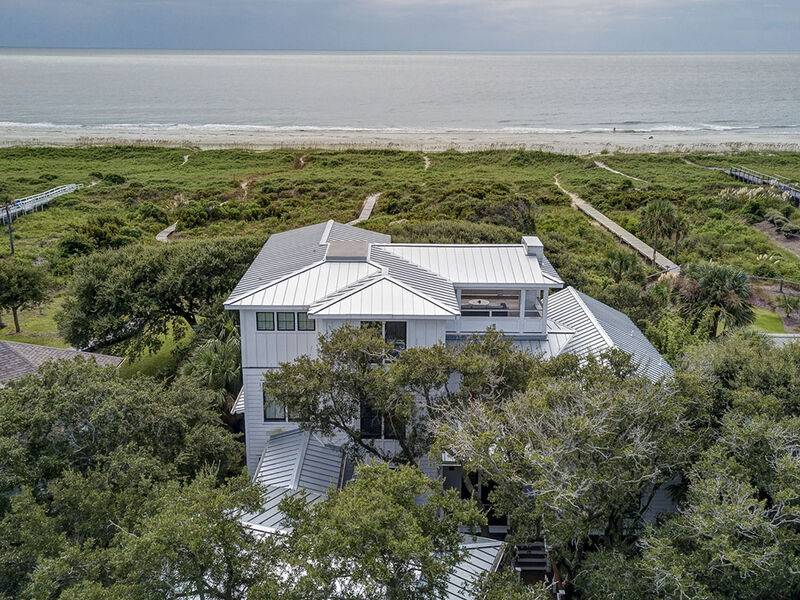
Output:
x=638 y=127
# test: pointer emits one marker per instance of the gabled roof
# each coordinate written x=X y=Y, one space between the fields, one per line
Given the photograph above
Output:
x=482 y=556
x=298 y=459
x=424 y=281
x=306 y=286
x=238 y=405
x=18 y=359
x=290 y=251
x=293 y=463
x=382 y=297
x=476 y=264
x=598 y=328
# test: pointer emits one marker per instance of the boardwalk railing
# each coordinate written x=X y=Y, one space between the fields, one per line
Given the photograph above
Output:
x=781 y=183
x=31 y=203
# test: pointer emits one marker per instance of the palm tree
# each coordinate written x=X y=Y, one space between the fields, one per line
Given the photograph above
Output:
x=216 y=365
x=659 y=221
x=621 y=264
x=680 y=228
x=718 y=292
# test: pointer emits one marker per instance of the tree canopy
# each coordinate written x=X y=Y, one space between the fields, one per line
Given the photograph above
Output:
x=22 y=285
x=136 y=294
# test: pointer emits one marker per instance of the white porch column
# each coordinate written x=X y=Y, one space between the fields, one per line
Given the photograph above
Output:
x=458 y=318
x=544 y=310
x=522 y=311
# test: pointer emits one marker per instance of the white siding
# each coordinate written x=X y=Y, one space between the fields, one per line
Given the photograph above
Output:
x=271 y=348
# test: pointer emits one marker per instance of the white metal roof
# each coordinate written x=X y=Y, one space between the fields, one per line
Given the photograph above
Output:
x=289 y=251
x=238 y=405
x=385 y=298
x=271 y=519
x=308 y=285
x=299 y=460
x=476 y=264
x=482 y=556
x=599 y=327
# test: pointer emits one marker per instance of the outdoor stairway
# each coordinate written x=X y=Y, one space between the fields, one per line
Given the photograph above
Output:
x=532 y=561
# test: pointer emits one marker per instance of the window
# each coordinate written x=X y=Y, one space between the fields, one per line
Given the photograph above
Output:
x=273 y=410
x=395 y=333
x=265 y=321
x=304 y=323
x=285 y=321
x=370 y=422
x=376 y=426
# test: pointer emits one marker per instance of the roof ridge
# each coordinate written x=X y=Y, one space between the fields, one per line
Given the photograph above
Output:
x=298 y=465
x=601 y=330
x=422 y=295
x=327 y=232
x=341 y=294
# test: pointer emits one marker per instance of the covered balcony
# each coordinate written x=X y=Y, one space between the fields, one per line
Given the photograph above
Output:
x=514 y=312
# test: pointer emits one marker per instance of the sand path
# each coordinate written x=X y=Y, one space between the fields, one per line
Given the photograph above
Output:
x=694 y=164
x=603 y=165
x=185 y=159
x=427 y=161
x=366 y=208
x=621 y=233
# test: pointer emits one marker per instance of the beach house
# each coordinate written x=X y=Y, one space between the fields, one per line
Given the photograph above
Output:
x=307 y=282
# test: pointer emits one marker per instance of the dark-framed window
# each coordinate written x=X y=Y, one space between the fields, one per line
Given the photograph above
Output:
x=396 y=333
x=304 y=323
x=273 y=409
x=370 y=422
x=375 y=425
x=286 y=321
x=265 y=321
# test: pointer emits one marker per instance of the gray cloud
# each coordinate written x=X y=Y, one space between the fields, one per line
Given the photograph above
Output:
x=524 y=25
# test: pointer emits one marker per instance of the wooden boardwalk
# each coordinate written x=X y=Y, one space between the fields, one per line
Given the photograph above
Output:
x=621 y=233
x=780 y=183
x=366 y=209
x=35 y=202
x=163 y=235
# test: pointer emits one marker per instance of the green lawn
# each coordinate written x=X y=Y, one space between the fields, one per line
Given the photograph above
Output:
x=37 y=325
x=768 y=321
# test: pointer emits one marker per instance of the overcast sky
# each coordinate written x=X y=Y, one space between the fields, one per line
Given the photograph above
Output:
x=535 y=25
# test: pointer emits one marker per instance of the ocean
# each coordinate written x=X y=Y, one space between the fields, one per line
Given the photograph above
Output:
x=400 y=92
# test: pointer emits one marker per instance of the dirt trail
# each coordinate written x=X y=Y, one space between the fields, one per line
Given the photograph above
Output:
x=694 y=164
x=185 y=159
x=603 y=165
x=427 y=161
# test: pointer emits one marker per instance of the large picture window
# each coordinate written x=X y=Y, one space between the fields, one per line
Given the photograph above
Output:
x=286 y=321
x=375 y=425
x=265 y=321
x=393 y=332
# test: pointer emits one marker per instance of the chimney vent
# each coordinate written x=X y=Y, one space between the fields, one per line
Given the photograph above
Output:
x=533 y=246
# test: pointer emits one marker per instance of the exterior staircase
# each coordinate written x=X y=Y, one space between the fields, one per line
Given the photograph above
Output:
x=532 y=561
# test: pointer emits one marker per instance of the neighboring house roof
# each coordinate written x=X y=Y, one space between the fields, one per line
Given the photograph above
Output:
x=558 y=337
x=476 y=264
x=598 y=328
x=483 y=556
x=290 y=251
x=18 y=359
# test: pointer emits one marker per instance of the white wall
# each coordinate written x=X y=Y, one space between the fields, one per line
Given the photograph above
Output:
x=265 y=350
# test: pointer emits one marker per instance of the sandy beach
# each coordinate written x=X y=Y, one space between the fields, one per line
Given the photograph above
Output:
x=265 y=138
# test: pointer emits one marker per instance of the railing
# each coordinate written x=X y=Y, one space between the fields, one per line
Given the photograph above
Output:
x=31 y=203
x=776 y=181
x=511 y=325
